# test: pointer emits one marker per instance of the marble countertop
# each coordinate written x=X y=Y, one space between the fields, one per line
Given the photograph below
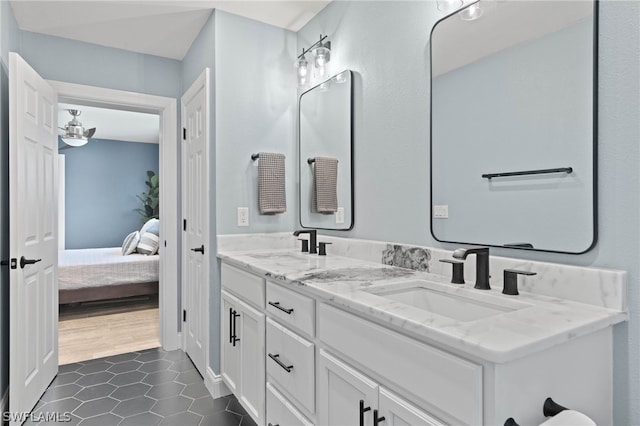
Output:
x=530 y=322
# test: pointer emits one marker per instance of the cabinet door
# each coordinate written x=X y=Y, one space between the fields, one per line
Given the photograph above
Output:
x=398 y=412
x=230 y=351
x=341 y=391
x=252 y=376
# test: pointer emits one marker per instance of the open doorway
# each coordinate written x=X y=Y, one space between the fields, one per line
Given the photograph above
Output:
x=109 y=227
x=166 y=109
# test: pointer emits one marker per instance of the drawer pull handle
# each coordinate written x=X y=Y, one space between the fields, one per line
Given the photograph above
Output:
x=234 y=336
x=363 y=410
x=285 y=310
x=287 y=368
x=230 y=325
x=376 y=419
x=270 y=424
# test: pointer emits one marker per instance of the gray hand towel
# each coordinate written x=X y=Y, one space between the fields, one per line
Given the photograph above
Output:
x=271 y=187
x=325 y=185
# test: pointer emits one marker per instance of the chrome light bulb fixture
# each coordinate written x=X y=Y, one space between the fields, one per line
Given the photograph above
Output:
x=471 y=13
x=73 y=133
x=321 y=51
x=448 y=5
x=323 y=56
x=303 y=70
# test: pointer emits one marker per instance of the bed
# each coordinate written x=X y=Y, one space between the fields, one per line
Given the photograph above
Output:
x=104 y=273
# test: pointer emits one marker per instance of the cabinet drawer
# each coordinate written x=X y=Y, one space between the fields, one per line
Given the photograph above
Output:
x=248 y=286
x=291 y=308
x=442 y=380
x=290 y=364
x=281 y=412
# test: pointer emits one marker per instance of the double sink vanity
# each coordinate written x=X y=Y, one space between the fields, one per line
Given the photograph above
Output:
x=375 y=333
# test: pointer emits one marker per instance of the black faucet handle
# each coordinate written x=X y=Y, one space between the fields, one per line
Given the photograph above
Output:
x=305 y=245
x=511 y=281
x=322 y=248
x=458 y=270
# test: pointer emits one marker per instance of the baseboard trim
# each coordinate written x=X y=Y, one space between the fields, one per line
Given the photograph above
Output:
x=215 y=385
x=4 y=403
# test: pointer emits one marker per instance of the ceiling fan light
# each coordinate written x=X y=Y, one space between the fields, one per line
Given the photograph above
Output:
x=71 y=141
x=74 y=133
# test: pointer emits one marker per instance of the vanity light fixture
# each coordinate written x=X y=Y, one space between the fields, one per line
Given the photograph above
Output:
x=471 y=13
x=303 y=70
x=447 y=5
x=321 y=49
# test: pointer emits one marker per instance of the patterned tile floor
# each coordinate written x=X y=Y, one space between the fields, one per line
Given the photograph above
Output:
x=146 y=388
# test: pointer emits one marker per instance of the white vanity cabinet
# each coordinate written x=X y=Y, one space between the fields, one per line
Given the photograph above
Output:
x=348 y=397
x=243 y=339
x=294 y=358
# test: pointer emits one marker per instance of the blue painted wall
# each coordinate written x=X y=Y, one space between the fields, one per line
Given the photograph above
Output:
x=102 y=180
x=392 y=129
x=100 y=66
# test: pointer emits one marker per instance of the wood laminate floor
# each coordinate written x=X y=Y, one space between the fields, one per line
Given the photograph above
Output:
x=96 y=330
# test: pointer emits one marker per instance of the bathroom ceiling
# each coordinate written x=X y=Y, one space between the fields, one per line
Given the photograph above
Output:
x=114 y=124
x=155 y=27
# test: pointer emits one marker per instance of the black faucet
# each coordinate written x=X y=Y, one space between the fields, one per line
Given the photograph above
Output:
x=482 y=264
x=313 y=245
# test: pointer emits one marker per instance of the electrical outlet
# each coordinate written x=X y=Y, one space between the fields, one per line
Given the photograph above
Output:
x=243 y=216
x=340 y=215
x=441 y=212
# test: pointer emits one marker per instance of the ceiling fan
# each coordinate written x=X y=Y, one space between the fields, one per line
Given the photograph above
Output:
x=73 y=133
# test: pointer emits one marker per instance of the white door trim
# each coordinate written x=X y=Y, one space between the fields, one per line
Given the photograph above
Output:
x=169 y=225
x=198 y=84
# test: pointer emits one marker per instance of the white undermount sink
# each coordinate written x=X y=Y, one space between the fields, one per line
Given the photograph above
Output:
x=426 y=296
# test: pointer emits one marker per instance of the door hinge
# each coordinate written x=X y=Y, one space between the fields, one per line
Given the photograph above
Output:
x=184 y=224
x=184 y=315
x=184 y=133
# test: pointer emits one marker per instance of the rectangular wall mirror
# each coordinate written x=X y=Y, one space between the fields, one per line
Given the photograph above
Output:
x=325 y=146
x=513 y=125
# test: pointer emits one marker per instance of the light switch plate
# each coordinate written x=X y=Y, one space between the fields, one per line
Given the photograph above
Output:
x=441 y=212
x=340 y=215
x=243 y=216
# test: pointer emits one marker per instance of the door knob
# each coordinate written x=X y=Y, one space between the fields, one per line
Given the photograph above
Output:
x=200 y=249
x=24 y=261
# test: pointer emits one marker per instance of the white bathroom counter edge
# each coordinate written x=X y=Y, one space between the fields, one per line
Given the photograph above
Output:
x=499 y=339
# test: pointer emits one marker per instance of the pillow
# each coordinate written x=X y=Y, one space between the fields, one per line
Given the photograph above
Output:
x=148 y=244
x=130 y=243
x=152 y=225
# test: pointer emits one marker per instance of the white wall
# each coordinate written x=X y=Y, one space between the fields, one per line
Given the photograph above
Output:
x=386 y=44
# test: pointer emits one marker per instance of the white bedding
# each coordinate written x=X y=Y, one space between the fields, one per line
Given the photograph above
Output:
x=85 y=268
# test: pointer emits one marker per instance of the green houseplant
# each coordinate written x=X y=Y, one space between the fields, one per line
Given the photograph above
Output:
x=150 y=198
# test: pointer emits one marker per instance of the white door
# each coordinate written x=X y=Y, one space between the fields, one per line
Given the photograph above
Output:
x=230 y=351
x=398 y=412
x=252 y=364
x=196 y=246
x=33 y=213
x=346 y=396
